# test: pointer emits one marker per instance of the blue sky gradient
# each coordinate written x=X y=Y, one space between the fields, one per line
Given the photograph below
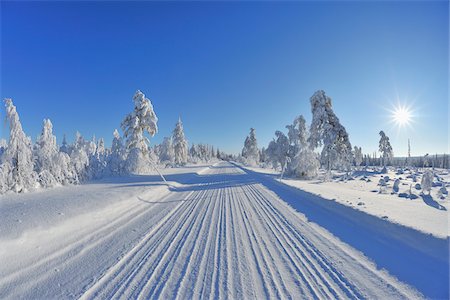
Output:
x=227 y=66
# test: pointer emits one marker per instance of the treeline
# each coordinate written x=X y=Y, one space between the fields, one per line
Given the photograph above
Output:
x=25 y=166
x=325 y=143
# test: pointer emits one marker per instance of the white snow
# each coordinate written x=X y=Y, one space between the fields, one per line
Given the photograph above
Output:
x=215 y=232
x=426 y=214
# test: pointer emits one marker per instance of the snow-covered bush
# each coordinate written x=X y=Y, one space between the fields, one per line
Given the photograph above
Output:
x=427 y=181
x=143 y=119
x=305 y=164
x=180 y=145
x=382 y=185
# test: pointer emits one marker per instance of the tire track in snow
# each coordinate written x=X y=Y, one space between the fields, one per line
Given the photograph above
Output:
x=229 y=237
x=317 y=278
x=119 y=276
x=313 y=257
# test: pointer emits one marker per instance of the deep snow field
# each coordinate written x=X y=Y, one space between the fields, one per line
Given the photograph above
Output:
x=224 y=231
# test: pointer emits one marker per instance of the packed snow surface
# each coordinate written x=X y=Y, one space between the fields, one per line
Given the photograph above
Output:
x=217 y=232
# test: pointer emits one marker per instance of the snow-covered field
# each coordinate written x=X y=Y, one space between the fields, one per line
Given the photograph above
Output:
x=426 y=213
x=216 y=232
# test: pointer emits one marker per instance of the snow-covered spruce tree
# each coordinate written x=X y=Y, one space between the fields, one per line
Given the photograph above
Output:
x=385 y=149
x=53 y=167
x=193 y=156
x=79 y=157
x=18 y=157
x=143 y=119
x=45 y=151
x=327 y=131
x=117 y=157
x=358 y=156
x=64 y=147
x=166 y=151
x=250 y=151
x=97 y=159
x=180 y=145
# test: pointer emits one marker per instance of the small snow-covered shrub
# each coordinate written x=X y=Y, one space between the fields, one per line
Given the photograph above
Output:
x=427 y=181
x=305 y=164
x=46 y=179
x=382 y=185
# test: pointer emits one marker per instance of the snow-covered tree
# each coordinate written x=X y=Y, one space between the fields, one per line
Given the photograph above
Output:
x=385 y=149
x=327 y=131
x=53 y=167
x=408 y=158
x=64 y=146
x=117 y=157
x=250 y=151
x=358 y=156
x=166 y=151
x=180 y=145
x=79 y=157
x=305 y=164
x=193 y=155
x=278 y=151
x=143 y=119
x=18 y=157
x=297 y=135
x=45 y=147
x=427 y=181
x=97 y=159
x=101 y=150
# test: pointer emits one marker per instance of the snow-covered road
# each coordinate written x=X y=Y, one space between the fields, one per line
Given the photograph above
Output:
x=218 y=234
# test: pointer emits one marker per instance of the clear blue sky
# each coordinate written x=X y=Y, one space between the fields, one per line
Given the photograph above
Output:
x=226 y=67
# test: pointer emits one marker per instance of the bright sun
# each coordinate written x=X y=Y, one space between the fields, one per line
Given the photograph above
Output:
x=401 y=115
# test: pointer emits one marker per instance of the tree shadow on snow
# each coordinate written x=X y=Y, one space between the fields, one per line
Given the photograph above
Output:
x=431 y=202
x=415 y=258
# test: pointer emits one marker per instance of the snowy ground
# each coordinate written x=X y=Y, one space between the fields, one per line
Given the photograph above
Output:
x=428 y=214
x=217 y=232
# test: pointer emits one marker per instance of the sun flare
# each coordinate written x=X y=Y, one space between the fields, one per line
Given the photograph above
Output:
x=401 y=115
